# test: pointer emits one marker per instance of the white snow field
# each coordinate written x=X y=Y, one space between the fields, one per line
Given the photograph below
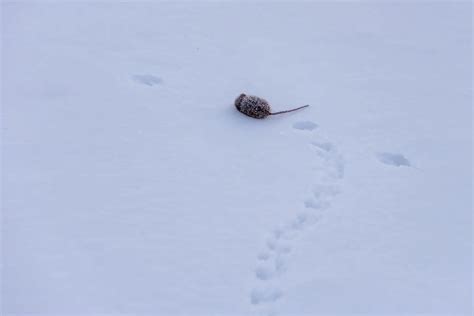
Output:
x=132 y=186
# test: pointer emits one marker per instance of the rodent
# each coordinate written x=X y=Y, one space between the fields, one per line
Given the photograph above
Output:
x=257 y=107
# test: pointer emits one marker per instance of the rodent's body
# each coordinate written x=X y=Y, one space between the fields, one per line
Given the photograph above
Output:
x=253 y=106
x=256 y=107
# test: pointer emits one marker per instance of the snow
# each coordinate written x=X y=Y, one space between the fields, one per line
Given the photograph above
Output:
x=131 y=185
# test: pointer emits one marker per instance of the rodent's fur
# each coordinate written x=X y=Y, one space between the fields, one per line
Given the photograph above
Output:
x=256 y=107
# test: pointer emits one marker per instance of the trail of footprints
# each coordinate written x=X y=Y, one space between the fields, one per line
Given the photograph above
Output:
x=273 y=258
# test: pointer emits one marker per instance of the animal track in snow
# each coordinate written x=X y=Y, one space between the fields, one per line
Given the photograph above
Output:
x=322 y=191
x=148 y=80
x=263 y=295
x=327 y=147
x=396 y=160
x=314 y=204
x=305 y=125
x=272 y=260
x=264 y=273
x=264 y=255
x=277 y=246
x=270 y=269
x=329 y=152
x=300 y=221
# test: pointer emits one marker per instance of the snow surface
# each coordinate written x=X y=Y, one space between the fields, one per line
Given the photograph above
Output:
x=131 y=185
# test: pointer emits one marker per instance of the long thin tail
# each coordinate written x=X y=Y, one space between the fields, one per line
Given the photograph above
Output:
x=281 y=112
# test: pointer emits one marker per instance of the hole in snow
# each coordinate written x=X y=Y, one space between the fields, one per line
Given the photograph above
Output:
x=393 y=159
x=148 y=80
x=305 y=125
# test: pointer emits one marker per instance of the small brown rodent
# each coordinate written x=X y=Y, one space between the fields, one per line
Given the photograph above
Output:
x=256 y=107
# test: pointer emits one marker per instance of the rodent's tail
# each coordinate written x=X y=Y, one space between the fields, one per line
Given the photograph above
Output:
x=281 y=112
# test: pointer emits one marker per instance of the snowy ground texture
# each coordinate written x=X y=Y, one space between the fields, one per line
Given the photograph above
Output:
x=131 y=185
